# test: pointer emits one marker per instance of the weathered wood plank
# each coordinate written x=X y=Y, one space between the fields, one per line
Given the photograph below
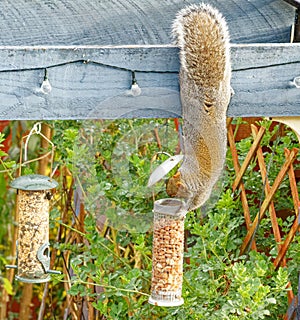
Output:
x=157 y=58
x=94 y=22
x=92 y=82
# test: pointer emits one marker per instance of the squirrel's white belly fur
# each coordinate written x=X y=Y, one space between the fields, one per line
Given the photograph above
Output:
x=202 y=36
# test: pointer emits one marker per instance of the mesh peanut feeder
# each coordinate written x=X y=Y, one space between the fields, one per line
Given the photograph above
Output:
x=33 y=252
x=168 y=247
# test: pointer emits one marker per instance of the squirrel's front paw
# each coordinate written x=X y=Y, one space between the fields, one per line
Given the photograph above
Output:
x=176 y=188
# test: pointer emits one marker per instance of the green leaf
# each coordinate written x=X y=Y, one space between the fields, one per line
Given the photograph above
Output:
x=7 y=286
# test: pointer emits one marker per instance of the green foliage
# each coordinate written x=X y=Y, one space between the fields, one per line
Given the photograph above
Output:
x=6 y=198
x=218 y=283
x=112 y=162
x=7 y=286
x=230 y=286
x=6 y=166
x=108 y=164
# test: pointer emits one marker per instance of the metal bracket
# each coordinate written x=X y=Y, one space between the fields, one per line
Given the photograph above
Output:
x=43 y=256
x=295 y=32
x=13 y=266
x=294 y=3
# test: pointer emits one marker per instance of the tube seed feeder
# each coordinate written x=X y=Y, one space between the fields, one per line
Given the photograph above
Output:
x=168 y=247
x=33 y=252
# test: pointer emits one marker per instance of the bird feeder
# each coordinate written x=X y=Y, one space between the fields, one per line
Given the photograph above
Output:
x=168 y=247
x=33 y=252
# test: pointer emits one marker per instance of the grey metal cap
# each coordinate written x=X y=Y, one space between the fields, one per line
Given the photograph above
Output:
x=170 y=206
x=34 y=182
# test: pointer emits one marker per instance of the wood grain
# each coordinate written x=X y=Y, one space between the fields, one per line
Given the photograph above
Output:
x=91 y=48
x=93 y=81
x=119 y=22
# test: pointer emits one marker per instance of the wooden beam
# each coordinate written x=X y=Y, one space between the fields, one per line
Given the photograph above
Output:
x=93 y=81
x=74 y=22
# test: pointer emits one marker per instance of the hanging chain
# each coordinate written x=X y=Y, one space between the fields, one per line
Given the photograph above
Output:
x=36 y=129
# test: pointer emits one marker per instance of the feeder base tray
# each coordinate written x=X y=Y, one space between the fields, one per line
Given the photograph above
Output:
x=166 y=303
x=36 y=280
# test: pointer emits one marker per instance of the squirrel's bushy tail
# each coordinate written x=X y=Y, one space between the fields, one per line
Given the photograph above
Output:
x=202 y=36
x=201 y=33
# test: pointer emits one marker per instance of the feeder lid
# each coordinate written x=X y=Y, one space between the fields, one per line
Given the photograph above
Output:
x=170 y=206
x=34 y=182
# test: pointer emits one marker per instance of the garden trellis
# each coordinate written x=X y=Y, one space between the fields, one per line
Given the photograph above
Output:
x=90 y=64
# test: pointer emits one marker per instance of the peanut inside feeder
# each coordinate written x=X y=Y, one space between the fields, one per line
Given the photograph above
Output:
x=33 y=252
x=167 y=257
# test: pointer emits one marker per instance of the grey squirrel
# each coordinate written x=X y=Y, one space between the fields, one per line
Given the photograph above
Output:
x=202 y=36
